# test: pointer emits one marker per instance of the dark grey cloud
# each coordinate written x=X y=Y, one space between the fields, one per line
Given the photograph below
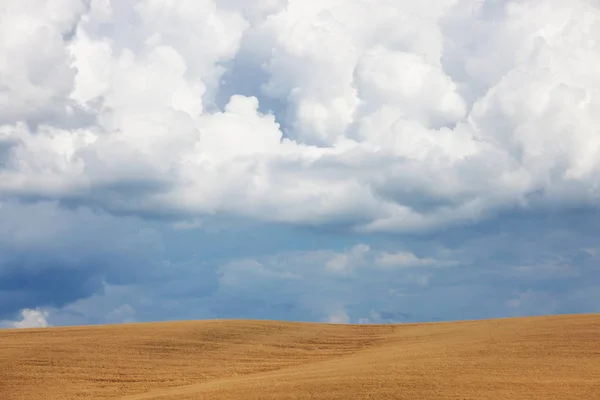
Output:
x=116 y=269
x=51 y=256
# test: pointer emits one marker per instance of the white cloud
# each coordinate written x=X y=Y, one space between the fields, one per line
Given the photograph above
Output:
x=34 y=318
x=377 y=317
x=325 y=284
x=406 y=259
x=36 y=72
x=394 y=116
x=338 y=317
x=121 y=314
x=343 y=261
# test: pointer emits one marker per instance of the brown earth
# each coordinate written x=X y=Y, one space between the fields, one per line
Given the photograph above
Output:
x=554 y=357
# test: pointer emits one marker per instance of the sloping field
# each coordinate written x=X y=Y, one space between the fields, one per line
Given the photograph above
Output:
x=527 y=358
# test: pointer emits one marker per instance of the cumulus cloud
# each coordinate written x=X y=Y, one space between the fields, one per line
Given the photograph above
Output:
x=119 y=118
x=338 y=317
x=343 y=261
x=29 y=319
x=387 y=116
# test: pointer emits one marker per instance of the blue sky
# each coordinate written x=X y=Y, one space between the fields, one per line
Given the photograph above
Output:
x=298 y=160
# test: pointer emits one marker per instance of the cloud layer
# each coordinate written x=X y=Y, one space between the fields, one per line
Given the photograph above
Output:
x=331 y=160
x=462 y=110
x=517 y=265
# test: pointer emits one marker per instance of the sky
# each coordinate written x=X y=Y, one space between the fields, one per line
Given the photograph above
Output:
x=346 y=161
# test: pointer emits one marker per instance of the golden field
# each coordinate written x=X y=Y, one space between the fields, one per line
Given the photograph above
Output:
x=554 y=357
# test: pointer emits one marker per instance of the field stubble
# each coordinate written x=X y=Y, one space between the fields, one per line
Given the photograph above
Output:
x=554 y=357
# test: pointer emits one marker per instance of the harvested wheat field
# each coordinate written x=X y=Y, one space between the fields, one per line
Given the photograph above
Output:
x=525 y=358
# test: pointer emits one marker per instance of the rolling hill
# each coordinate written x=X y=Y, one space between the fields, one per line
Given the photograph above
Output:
x=554 y=357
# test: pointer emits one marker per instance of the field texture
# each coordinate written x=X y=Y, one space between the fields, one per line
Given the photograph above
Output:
x=526 y=358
